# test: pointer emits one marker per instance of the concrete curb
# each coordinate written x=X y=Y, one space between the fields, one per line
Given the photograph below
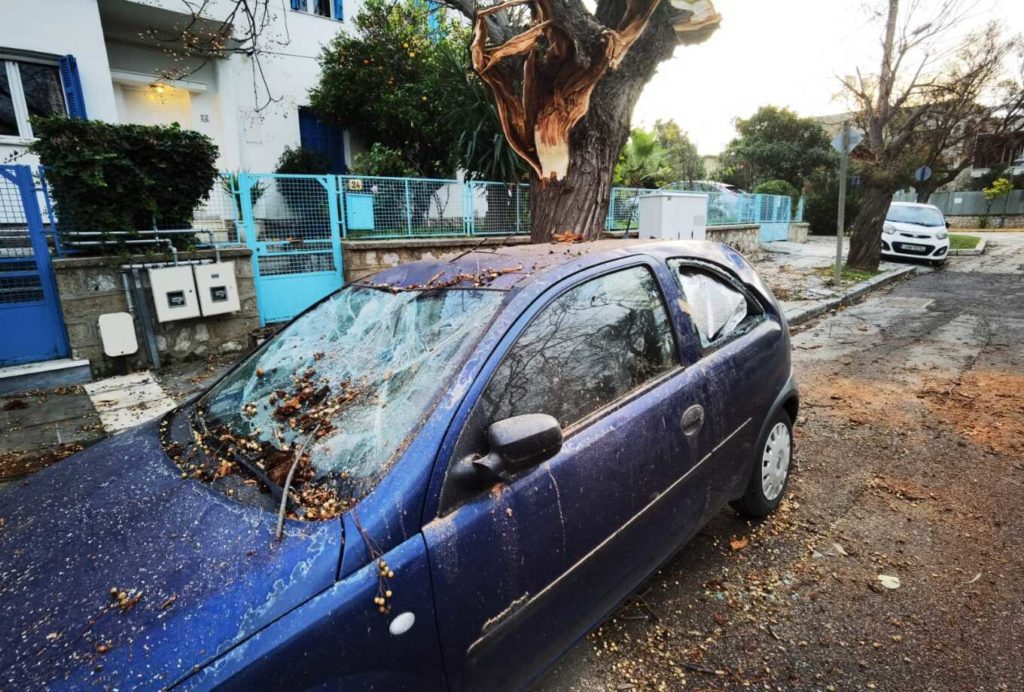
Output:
x=980 y=249
x=802 y=315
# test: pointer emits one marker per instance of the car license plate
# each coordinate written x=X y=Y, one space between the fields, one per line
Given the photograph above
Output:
x=911 y=246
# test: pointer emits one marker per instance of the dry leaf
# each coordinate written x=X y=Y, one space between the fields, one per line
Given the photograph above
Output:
x=739 y=543
x=889 y=581
x=840 y=549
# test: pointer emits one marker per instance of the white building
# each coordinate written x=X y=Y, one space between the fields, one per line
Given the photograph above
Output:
x=126 y=63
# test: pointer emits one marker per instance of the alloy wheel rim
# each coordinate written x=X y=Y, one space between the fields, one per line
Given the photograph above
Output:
x=775 y=461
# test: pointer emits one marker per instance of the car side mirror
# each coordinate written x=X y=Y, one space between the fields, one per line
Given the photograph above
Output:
x=947 y=224
x=515 y=444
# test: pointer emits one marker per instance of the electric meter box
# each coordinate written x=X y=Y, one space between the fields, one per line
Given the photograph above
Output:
x=218 y=292
x=674 y=216
x=174 y=293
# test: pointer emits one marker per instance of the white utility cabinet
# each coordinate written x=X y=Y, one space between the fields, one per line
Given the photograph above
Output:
x=674 y=215
x=218 y=291
x=174 y=293
x=117 y=331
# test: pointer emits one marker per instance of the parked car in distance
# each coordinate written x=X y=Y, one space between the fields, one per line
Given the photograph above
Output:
x=481 y=457
x=917 y=231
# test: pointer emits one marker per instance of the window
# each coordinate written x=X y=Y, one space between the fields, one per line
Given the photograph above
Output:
x=332 y=9
x=717 y=309
x=28 y=89
x=591 y=346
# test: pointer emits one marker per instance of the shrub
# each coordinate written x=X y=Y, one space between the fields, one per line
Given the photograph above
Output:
x=777 y=187
x=306 y=197
x=383 y=160
x=821 y=202
x=124 y=178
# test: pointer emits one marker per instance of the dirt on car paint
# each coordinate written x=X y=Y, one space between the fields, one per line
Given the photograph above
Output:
x=895 y=562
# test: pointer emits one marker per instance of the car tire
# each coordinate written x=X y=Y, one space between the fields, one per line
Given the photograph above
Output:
x=770 y=468
x=938 y=263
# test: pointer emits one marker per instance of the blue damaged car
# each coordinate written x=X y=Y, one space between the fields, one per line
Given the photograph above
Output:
x=438 y=477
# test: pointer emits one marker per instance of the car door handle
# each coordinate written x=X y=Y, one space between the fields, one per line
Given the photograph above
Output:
x=693 y=420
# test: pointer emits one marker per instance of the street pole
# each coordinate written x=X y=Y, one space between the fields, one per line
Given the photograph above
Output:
x=844 y=163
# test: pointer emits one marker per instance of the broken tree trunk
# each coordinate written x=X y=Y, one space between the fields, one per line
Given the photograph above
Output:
x=565 y=89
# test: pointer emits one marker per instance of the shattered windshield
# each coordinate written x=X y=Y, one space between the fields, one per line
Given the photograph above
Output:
x=921 y=216
x=344 y=387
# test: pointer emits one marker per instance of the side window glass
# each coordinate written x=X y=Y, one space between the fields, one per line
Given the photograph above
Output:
x=592 y=345
x=716 y=308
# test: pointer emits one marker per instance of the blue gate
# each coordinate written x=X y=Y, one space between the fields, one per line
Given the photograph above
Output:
x=292 y=225
x=30 y=314
x=773 y=213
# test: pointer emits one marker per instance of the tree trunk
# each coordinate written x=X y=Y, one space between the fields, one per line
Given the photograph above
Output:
x=866 y=237
x=578 y=203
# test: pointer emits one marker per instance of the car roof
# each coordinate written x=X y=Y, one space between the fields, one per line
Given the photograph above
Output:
x=913 y=204
x=514 y=267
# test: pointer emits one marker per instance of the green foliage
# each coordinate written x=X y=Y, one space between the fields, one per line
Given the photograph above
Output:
x=301 y=160
x=117 y=178
x=654 y=158
x=229 y=183
x=979 y=183
x=960 y=241
x=821 y=201
x=775 y=143
x=999 y=188
x=383 y=83
x=382 y=160
x=682 y=160
x=777 y=187
x=482 y=149
x=642 y=162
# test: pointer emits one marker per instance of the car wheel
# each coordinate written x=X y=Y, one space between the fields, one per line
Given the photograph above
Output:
x=938 y=263
x=769 y=476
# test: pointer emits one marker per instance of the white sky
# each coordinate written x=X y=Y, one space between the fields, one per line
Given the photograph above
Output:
x=785 y=53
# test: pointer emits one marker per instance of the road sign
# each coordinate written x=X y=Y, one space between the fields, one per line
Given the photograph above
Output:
x=854 y=137
x=922 y=174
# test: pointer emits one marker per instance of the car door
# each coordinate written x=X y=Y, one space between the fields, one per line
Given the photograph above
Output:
x=737 y=356
x=525 y=567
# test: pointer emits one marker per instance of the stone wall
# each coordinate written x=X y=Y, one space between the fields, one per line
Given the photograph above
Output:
x=798 y=232
x=91 y=286
x=745 y=238
x=1012 y=221
x=364 y=257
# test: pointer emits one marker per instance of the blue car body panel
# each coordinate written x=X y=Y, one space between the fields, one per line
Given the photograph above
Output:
x=207 y=570
x=498 y=586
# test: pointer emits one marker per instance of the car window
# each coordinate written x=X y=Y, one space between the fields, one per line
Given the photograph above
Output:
x=921 y=216
x=592 y=345
x=717 y=309
x=358 y=373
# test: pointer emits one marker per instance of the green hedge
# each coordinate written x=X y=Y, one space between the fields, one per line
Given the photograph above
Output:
x=110 y=178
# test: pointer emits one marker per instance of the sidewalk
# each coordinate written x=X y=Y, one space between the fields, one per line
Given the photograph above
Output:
x=800 y=276
x=42 y=427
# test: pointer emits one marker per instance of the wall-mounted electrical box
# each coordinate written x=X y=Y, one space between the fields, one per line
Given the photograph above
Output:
x=174 y=293
x=674 y=216
x=218 y=292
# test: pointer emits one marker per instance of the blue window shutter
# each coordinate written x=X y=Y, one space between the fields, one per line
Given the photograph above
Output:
x=339 y=9
x=299 y=5
x=72 y=87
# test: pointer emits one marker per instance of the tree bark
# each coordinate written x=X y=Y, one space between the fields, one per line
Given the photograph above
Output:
x=578 y=202
x=866 y=235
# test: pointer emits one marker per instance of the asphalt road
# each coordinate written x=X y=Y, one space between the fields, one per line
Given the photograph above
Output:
x=910 y=466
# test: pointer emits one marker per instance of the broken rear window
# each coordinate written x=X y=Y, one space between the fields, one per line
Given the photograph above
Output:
x=355 y=376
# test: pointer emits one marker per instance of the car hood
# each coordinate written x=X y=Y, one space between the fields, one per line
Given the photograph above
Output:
x=206 y=571
x=913 y=228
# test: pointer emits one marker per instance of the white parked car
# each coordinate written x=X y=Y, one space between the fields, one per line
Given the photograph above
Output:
x=916 y=231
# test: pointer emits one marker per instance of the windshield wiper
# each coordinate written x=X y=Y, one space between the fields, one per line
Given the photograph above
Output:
x=244 y=461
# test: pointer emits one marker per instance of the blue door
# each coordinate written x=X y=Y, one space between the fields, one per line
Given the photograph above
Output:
x=30 y=314
x=324 y=138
